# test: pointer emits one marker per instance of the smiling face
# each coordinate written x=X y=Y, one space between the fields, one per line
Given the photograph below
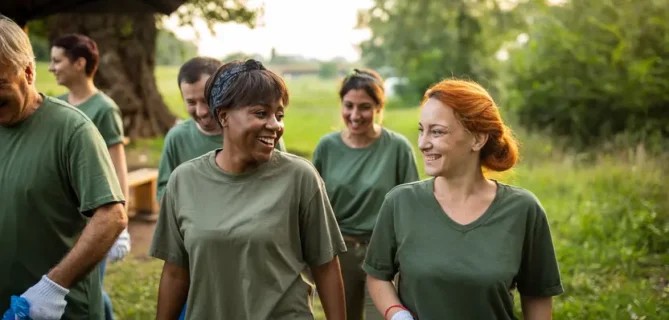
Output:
x=253 y=131
x=65 y=70
x=15 y=86
x=359 y=111
x=446 y=145
x=197 y=106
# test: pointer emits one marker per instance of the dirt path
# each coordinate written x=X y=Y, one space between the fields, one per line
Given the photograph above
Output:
x=141 y=233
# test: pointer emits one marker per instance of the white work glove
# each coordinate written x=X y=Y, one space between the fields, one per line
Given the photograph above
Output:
x=402 y=315
x=121 y=247
x=46 y=300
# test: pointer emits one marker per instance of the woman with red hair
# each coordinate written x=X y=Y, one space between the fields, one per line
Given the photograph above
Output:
x=462 y=243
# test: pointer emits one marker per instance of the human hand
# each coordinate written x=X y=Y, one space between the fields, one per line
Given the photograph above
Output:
x=121 y=247
x=45 y=301
x=402 y=315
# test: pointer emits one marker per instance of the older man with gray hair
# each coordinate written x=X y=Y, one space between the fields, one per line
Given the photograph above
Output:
x=61 y=203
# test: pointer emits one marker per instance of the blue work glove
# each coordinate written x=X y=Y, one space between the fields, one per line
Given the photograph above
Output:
x=121 y=247
x=45 y=300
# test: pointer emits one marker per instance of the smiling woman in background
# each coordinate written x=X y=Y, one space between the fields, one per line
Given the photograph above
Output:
x=461 y=242
x=239 y=227
x=359 y=165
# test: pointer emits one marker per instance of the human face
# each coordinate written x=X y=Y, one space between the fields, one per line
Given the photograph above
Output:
x=358 y=111
x=65 y=70
x=15 y=86
x=253 y=131
x=446 y=144
x=197 y=106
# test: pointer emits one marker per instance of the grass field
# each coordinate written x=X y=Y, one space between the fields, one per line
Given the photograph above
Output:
x=609 y=216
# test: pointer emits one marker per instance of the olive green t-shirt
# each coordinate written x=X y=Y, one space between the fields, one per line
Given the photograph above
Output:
x=357 y=179
x=455 y=271
x=247 y=239
x=105 y=114
x=55 y=170
x=184 y=142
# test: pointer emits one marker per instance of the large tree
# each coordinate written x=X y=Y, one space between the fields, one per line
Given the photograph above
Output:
x=425 y=41
x=127 y=44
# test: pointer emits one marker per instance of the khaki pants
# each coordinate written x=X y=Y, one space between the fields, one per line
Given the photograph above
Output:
x=359 y=304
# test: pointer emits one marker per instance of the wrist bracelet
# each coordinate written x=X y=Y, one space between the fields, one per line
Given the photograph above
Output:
x=385 y=314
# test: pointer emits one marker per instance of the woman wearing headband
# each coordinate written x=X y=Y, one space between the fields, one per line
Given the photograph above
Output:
x=359 y=165
x=240 y=227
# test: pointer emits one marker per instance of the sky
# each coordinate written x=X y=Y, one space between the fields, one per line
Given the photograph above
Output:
x=320 y=29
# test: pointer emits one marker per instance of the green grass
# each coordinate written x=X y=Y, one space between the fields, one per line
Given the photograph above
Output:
x=609 y=217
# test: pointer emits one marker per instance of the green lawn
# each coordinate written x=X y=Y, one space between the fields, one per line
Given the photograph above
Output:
x=609 y=217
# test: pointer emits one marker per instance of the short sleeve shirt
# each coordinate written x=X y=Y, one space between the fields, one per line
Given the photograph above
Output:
x=247 y=239
x=106 y=116
x=463 y=271
x=55 y=172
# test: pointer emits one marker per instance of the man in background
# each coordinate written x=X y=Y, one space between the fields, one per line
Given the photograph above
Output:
x=199 y=134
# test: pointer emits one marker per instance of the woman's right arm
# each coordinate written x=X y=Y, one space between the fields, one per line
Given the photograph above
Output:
x=382 y=265
x=168 y=245
x=384 y=295
x=172 y=292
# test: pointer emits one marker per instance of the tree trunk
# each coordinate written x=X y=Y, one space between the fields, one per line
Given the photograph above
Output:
x=127 y=45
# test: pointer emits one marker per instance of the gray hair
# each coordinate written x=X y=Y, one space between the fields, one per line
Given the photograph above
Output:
x=15 y=47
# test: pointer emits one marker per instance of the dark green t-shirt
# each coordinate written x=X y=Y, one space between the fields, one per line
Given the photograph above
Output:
x=454 y=271
x=247 y=239
x=185 y=142
x=105 y=114
x=357 y=179
x=55 y=170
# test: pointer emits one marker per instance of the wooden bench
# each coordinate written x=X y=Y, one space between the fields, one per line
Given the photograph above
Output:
x=142 y=185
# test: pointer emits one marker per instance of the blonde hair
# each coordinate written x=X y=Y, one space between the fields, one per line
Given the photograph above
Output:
x=15 y=47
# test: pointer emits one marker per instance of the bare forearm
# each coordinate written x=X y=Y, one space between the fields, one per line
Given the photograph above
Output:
x=117 y=154
x=330 y=288
x=537 y=308
x=383 y=294
x=173 y=291
x=93 y=244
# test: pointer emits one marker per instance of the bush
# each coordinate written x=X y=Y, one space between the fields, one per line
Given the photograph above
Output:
x=593 y=70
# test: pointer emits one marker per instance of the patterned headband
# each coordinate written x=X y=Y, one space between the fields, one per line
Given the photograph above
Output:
x=221 y=86
x=356 y=73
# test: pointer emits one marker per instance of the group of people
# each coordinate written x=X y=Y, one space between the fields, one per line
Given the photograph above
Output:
x=247 y=230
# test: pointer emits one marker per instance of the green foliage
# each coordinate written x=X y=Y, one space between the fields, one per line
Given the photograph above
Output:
x=172 y=51
x=610 y=225
x=41 y=47
x=426 y=41
x=212 y=12
x=592 y=70
x=327 y=70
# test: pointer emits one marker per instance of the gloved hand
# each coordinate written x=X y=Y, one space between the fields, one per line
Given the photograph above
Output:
x=45 y=301
x=402 y=315
x=121 y=247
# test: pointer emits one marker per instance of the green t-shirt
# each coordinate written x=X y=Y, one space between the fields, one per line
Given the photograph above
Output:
x=357 y=179
x=463 y=271
x=247 y=239
x=185 y=142
x=105 y=114
x=55 y=171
